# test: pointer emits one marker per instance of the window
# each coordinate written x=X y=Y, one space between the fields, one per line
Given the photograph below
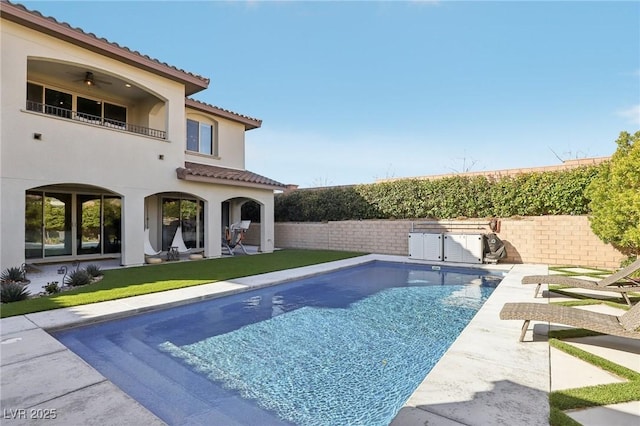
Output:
x=115 y=115
x=55 y=102
x=34 y=97
x=58 y=103
x=201 y=138
x=89 y=110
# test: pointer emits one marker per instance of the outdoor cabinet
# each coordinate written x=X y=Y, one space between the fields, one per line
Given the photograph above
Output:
x=463 y=248
x=425 y=246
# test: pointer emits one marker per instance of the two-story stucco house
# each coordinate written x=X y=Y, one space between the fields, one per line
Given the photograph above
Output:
x=99 y=143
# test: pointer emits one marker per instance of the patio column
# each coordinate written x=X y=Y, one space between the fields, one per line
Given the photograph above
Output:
x=12 y=212
x=133 y=222
x=267 y=232
x=213 y=232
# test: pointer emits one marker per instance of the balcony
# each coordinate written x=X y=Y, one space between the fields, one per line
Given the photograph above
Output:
x=94 y=119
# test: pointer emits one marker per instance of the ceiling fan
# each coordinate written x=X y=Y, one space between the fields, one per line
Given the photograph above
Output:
x=91 y=81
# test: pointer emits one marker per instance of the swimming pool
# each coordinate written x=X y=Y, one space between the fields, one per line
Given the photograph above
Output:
x=346 y=347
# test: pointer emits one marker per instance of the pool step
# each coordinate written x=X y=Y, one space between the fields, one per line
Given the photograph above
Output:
x=196 y=398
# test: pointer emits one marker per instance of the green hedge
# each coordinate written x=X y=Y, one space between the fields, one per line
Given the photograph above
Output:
x=528 y=194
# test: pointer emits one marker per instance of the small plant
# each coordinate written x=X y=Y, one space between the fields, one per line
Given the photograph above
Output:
x=15 y=274
x=52 y=287
x=77 y=278
x=12 y=291
x=93 y=271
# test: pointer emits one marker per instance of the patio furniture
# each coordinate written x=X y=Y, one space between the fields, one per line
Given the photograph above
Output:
x=234 y=235
x=177 y=244
x=173 y=254
x=619 y=282
x=148 y=248
x=625 y=325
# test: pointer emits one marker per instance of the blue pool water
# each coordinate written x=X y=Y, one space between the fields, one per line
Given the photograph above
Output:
x=345 y=347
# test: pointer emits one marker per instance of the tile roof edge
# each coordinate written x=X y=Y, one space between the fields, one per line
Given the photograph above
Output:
x=249 y=122
x=182 y=173
x=33 y=19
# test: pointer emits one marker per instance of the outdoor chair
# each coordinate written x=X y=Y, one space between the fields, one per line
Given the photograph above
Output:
x=148 y=248
x=234 y=235
x=619 y=282
x=178 y=243
x=625 y=325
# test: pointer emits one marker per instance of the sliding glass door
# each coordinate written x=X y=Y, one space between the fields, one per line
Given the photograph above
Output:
x=111 y=220
x=49 y=219
x=189 y=215
x=57 y=225
x=34 y=226
x=89 y=219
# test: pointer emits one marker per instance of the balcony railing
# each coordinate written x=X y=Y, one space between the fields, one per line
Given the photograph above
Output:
x=94 y=119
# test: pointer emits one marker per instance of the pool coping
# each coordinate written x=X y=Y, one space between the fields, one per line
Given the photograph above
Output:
x=458 y=390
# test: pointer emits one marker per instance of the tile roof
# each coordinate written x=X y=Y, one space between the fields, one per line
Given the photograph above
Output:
x=49 y=25
x=249 y=122
x=227 y=176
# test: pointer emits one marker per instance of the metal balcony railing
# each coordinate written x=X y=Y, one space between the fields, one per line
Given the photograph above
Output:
x=94 y=119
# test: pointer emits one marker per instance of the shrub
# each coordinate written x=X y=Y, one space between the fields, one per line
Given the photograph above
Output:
x=51 y=287
x=78 y=277
x=615 y=197
x=93 y=271
x=13 y=274
x=527 y=194
x=12 y=291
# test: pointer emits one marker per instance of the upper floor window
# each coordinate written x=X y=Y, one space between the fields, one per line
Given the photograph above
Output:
x=201 y=138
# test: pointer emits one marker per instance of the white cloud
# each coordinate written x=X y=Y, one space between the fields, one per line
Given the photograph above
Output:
x=632 y=114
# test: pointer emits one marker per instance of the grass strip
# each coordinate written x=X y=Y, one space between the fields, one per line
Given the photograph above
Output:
x=558 y=418
x=582 y=300
x=595 y=396
x=572 y=333
x=605 y=364
x=135 y=281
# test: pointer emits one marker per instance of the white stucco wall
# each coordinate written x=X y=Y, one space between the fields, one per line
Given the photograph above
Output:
x=230 y=142
x=70 y=152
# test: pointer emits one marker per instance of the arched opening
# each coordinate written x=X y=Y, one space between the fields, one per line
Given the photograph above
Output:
x=72 y=221
x=236 y=211
x=166 y=213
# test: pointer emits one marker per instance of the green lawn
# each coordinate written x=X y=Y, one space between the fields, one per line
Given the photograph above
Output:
x=127 y=282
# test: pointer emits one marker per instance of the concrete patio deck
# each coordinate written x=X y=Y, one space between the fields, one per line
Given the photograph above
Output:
x=486 y=377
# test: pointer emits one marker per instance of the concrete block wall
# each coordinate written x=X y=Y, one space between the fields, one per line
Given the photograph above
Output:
x=553 y=240
x=556 y=240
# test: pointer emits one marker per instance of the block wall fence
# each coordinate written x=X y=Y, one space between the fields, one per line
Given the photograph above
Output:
x=553 y=240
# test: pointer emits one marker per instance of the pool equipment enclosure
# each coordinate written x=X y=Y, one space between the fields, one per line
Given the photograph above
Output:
x=462 y=242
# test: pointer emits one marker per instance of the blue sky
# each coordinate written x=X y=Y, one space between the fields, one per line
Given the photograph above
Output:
x=350 y=92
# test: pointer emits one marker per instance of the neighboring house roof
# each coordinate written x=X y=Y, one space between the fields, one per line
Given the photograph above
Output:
x=35 y=20
x=249 y=122
x=225 y=176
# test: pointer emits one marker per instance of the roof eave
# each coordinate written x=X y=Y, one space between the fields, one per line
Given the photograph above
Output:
x=13 y=13
x=248 y=122
x=228 y=182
